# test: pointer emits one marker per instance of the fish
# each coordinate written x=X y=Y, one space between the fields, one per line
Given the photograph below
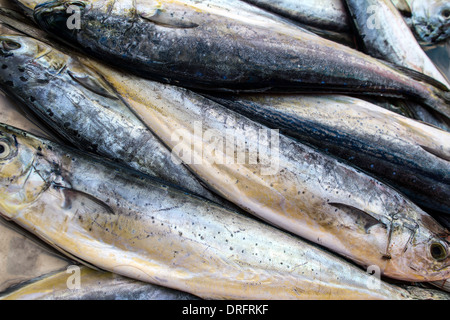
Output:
x=73 y=100
x=92 y=285
x=22 y=255
x=285 y=182
x=127 y=223
x=430 y=20
x=411 y=156
x=393 y=41
x=242 y=52
x=323 y=14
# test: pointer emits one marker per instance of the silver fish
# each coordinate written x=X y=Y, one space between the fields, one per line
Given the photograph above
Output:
x=292 y=185
x=174 y=42
x=324 y=14
x=411 y=156
x=393 y=41
x=75 y=101
x=130 y=224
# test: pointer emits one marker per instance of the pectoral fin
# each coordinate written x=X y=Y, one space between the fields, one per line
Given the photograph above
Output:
x=368 y=220
x=78 y=201
x=91 y=81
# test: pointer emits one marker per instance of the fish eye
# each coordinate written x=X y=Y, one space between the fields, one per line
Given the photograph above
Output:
x=4 y=150
x=438 y=251
x=446 y=13
x=10 y=45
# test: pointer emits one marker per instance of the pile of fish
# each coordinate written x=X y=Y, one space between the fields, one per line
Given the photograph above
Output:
x=225 y=149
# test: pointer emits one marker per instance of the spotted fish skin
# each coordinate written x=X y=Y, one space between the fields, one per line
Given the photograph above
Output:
x=409 y=155
x=82 y=108
x=129 y=224
x=240 y=53
x=312 y=195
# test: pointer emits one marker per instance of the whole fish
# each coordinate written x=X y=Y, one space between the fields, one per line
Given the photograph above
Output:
x=92 y=285
x=132 y=225
x=203 y=45
x=289 y=184
x=393 y=41
x=75 y=101
x=411 y=156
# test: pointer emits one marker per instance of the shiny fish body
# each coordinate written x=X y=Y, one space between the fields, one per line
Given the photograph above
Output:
x=411 y=156
x=81 y=107
x=94 y=285
x=129 y=224
x=393 y=41
x=311 y=194
x=324 y=14
x=241 y=52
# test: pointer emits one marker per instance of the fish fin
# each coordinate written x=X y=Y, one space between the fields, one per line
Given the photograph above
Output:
x=161 y=18
x=368 y=220
x=82 y=202
x=92 y=82
x=418 y=76
x=437 y=153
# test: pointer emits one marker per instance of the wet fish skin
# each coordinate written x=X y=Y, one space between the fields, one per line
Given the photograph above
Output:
x=324 y=14
x=257 y=57
x=411 y=156
x=77 y=103
x=308 y=193
x=94 y=285
x=153 y=233
x=393 y=41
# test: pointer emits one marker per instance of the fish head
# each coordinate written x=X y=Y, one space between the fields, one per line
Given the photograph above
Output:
x=431 y=20
x=23 y=58
x=24 y=172
x=421 y=249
